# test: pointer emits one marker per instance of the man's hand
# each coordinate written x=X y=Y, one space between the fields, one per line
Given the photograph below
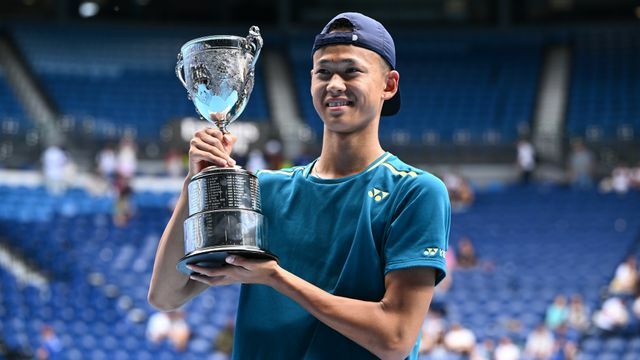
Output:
x=210 y=146
x=237 y=270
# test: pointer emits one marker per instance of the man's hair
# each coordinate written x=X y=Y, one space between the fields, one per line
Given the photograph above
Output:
x=344 y=25
x=340 y=25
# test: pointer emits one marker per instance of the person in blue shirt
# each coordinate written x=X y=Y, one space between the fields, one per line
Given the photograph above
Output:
x=361 y=236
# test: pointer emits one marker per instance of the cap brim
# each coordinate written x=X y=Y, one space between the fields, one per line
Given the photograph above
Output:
x=391 y=106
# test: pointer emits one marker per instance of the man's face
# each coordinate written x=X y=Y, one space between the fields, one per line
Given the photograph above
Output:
x=348 y=86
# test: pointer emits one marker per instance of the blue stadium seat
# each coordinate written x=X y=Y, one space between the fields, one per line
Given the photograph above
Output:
x=468 y=88
x=604 y=85
x=100 y=273
x=13 y=120
x=124 y=82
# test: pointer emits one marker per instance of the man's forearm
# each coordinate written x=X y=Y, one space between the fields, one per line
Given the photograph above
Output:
x=386 y=331
x=169 y=288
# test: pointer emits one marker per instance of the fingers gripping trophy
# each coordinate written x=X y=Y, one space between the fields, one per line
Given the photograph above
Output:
x=224 y=202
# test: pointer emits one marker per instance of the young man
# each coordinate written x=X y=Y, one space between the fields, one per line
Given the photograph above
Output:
x=361 y=236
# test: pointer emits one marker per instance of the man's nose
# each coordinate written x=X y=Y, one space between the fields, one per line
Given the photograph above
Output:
x=336 y=84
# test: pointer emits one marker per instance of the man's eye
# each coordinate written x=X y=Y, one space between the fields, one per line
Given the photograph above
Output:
x=322 y=72
x=352 y=70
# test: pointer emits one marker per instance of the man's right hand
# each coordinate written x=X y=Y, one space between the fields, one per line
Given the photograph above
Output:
x=208 y=147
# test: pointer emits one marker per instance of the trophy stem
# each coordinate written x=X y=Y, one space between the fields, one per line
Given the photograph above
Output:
x=222 y=125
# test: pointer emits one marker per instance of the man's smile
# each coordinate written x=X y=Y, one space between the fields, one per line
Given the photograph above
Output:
x=337 y=103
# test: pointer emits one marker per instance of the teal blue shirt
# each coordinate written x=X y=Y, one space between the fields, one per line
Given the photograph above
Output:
x=342 y=235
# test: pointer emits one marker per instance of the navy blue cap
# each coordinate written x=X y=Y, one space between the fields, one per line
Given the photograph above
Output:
x=369 y=34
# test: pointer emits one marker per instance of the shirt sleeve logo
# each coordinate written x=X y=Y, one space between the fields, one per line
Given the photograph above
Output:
x=431 y=251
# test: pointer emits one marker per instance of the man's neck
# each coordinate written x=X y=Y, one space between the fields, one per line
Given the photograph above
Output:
x=344 y=155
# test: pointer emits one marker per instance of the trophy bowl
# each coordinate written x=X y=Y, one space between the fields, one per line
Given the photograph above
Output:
x=224 y=202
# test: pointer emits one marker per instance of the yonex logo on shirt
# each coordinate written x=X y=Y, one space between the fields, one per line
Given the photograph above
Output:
x=377 y=195
x=434 y=252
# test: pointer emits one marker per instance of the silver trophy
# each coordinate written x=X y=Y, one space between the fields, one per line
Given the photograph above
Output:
x=224 y=202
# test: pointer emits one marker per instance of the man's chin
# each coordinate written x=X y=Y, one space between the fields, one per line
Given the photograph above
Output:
x=340 y=127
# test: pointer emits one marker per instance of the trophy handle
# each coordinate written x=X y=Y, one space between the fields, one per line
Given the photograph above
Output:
x=255 y=42
x=180 y=70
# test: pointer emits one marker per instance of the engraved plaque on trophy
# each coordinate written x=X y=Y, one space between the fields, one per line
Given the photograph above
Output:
x=224 y=202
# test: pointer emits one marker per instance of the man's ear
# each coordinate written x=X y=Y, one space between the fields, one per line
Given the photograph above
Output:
x=391 y=88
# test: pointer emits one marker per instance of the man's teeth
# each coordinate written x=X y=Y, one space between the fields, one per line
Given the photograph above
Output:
x=338 y=103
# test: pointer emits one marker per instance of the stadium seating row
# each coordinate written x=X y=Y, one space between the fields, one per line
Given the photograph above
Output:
x=533 y=244
x=463 y=87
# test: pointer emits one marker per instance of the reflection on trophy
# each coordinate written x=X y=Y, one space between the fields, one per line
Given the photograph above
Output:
x=224 y=203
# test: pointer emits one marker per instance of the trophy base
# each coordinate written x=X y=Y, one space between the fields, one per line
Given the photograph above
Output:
x=213 y=257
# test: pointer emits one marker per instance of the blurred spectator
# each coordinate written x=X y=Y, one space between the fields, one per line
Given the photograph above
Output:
x=54 y=162
x=439 y=296
x=445 y=284
x=540 y=343
x=635 y=176
x=123 y=207
x=433 y=328
x=439 y=351
x=96 y=185
x=107 y=164
x=620 y=181
x=484 y=350
x=256 y=161
x=581 y=166
x=127 y=158
x=274 y=155
x=626 y=277
x=460 y=340
x=452 y=260
x=50 y=345
x=224 y=341
x=526 y=160
x=507 y=350
x=169 y=326
x=466 y=254
x=565 y=350
x=439 y=300
x=557 y=313
x=461 y=195
x=174 y=164
x=565 y=333
x=635 y=307
x=613 y=316
x=578 y=318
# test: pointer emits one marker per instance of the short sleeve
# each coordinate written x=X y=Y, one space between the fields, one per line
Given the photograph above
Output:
x=418 y=233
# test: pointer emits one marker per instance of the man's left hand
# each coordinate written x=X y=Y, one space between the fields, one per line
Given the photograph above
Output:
x=236 y=270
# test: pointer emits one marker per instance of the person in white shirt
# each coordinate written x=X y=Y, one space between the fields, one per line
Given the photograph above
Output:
x=613 y=315
x=127 y=158
x=54 y=161
x=460 y=340
x=540 y=342
x=107 y=163
x=171 y=326
x=526 y=160
x=621 y=179
x=507 y=350
x=626 y=277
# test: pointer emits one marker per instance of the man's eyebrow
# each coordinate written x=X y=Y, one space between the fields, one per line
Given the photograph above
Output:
x=343 y=61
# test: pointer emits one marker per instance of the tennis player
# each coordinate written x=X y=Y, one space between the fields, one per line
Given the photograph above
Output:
x=360 y=235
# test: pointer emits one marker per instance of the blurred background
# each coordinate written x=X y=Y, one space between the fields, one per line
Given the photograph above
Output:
x=528 y=110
